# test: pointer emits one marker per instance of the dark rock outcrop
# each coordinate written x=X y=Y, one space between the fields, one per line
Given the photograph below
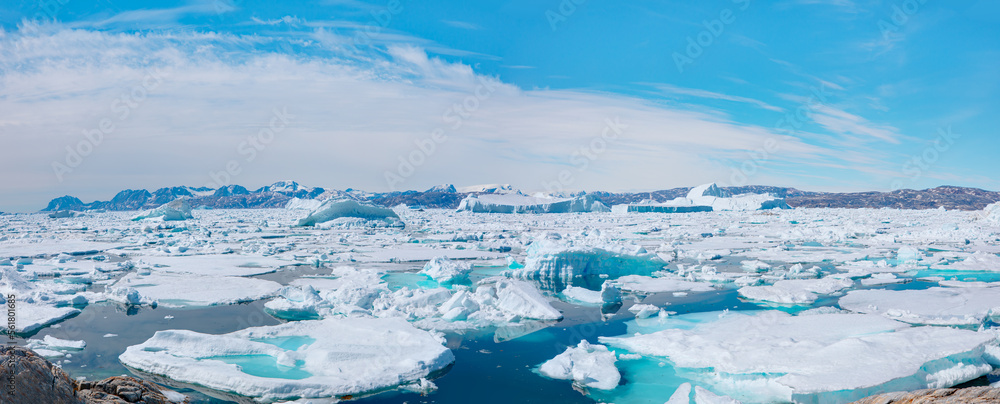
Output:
x=937 y=396
x=36 y=380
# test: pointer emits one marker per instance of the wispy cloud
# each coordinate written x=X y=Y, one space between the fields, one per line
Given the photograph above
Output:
x=674 y=90
x=461 y=24
x=845 y=123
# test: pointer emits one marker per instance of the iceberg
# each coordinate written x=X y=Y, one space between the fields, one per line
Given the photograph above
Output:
x=522 y=299
x=178 y=209
x=707 y=198
x=517 y=203
x=539 y=203
x=992 y=213
x=329 y=358
x=587 y=365
x=819 y=358
x=345 y=208
x=934 y=306
x=446 y=271
x=555 y=258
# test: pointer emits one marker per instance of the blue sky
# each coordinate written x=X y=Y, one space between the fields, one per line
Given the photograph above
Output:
x=566 y=95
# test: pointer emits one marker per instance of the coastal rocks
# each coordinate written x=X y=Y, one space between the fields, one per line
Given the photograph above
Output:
x=36 y=380
x=937 y=396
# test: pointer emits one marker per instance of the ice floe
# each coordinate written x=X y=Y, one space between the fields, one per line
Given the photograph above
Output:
x=939 y=306
x=586 y=364
x=775 y=356
x=304 y=359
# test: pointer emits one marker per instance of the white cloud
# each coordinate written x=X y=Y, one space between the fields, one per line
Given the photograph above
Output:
x=352 y=120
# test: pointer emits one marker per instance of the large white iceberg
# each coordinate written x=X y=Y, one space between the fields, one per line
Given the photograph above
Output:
x=345 y=208
x=554 y=257
x=585 y=364
x=707 y=198
x=443 y=270
x=304 y=359
x=178 y=209
x=517 y=203
x=938 y=306
x=819 y=358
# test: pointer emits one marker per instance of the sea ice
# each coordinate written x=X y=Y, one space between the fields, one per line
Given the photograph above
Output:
x=304 y=359
x=795 y=291
x=774 y=356
x=180 y=290
x=586 y=364
x=936 y=306
x=649 y=285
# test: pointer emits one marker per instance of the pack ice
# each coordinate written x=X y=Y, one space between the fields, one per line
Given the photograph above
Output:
x=773 y=356
x=304 y=359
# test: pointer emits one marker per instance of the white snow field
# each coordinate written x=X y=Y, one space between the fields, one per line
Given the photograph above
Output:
x=776 y=305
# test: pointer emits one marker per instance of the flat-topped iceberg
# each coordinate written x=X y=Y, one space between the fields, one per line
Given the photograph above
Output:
x=585 y=364
x=517 y=203
x=937 y=306
x=707 y=198
x=305 y=359
x=178 y=209
x=335 y=209
x=818 y=358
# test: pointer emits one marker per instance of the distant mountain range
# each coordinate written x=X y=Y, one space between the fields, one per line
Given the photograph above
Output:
x=448 y=197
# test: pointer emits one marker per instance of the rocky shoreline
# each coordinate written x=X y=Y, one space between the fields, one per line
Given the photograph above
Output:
x=36 y=380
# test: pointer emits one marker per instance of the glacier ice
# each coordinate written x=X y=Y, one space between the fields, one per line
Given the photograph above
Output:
x=446 y=271
x=556 y=258
x=586 y=364
x=178 y=209
x=303 y=359
x=345 y=208
x=708 y=198
x=517 y=203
